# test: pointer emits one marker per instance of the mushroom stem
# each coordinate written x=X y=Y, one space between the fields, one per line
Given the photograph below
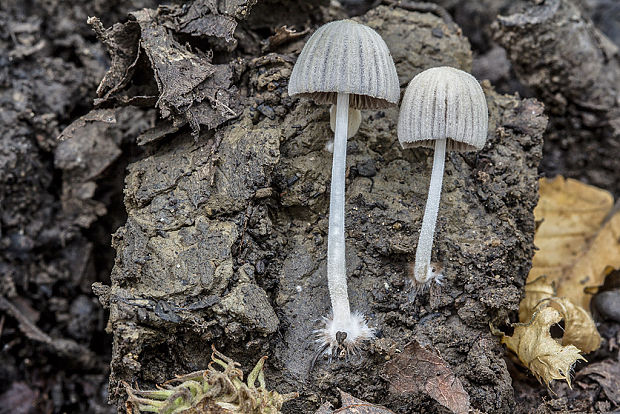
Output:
x=422 y=270
x=336 y=268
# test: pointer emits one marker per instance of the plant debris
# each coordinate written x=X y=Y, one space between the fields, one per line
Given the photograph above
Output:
x=211 y=391
x=607 y=375
x=539 y=352
x=418 y=369
x=578 y=241
x=351 y=405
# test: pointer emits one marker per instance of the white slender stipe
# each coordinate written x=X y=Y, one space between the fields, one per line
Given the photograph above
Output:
x=336 y=266
x=422 y=270
x=343 y=330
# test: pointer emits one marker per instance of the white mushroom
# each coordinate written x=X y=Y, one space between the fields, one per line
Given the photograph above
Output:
x=348 y=64
x=444 y=108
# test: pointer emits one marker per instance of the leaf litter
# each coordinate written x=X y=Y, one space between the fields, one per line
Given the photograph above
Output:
x=419 y=369
x=578 y=240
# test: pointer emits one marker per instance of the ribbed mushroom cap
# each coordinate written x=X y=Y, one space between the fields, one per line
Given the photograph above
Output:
x=346 y=57
x=443 y=102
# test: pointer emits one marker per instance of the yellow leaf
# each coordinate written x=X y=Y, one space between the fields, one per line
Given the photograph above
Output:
x=539 y=352
x=577 y=241
x=579 y=328
x=590 y=267
x=571 y=213
x=535 y=291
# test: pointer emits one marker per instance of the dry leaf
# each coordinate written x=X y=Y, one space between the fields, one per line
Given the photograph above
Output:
x=575 y=242
x=579 y=328
x=418 y=369
x=589 y=269
x=352 y=405
x=607 y=374
x=535 y=292
x=539 y=352
x=571 y=213
x=576 y=245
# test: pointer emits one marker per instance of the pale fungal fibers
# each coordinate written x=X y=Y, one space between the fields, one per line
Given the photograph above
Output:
x=348 y=64
x=444 y=108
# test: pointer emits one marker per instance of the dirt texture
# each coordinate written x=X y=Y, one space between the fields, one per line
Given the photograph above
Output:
x=225 y=238
x=173 y=123
x=54 y=241
x=575 y=70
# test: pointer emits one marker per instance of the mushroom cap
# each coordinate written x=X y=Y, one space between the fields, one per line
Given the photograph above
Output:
x=443 y=102
x=346 y=57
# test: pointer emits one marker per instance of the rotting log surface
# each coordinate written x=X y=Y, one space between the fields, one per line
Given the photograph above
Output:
x=225 y=239
x=575 y=70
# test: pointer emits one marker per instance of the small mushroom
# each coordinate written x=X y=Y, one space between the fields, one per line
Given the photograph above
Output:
x=348 y=64
x=444 y=108
x=355 y=120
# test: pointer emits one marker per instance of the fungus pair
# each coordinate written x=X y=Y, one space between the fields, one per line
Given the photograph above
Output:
x=349 y=64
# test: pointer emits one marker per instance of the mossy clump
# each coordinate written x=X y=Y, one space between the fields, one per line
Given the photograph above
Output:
x=210 y=391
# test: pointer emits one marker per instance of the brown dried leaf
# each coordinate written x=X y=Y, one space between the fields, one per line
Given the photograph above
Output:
x=283 y=35
x=579 y=328
x=178 y=70
x=535 y=291
x=352 y=405
x=607 y=374
x=420 y=370
x=122 y=43
x=576 y=247
x=539 y=352
x=589 y=270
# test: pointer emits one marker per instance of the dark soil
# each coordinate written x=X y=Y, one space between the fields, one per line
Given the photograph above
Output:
x=176 y=134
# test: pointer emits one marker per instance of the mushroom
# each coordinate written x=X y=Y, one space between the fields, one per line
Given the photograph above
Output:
x=355 y=120
x=444 y=108
x=348 y=64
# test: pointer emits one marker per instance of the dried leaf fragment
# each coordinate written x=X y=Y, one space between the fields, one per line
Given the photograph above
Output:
x=607 y=374
x=352 y=405
x=539 y=352
x=418 y=369
x=535 y=292
x=575 y=241
x=589 y=270
x=283 y=35
x=579 y=329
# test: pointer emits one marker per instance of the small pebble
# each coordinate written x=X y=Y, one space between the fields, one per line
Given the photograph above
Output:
x=367 y=168
x=608 y=304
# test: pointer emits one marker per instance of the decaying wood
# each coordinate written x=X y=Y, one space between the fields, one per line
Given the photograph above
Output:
x=575 y=70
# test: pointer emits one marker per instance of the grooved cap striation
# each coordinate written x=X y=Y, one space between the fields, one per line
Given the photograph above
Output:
x=346 y=57
x=444 y=102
